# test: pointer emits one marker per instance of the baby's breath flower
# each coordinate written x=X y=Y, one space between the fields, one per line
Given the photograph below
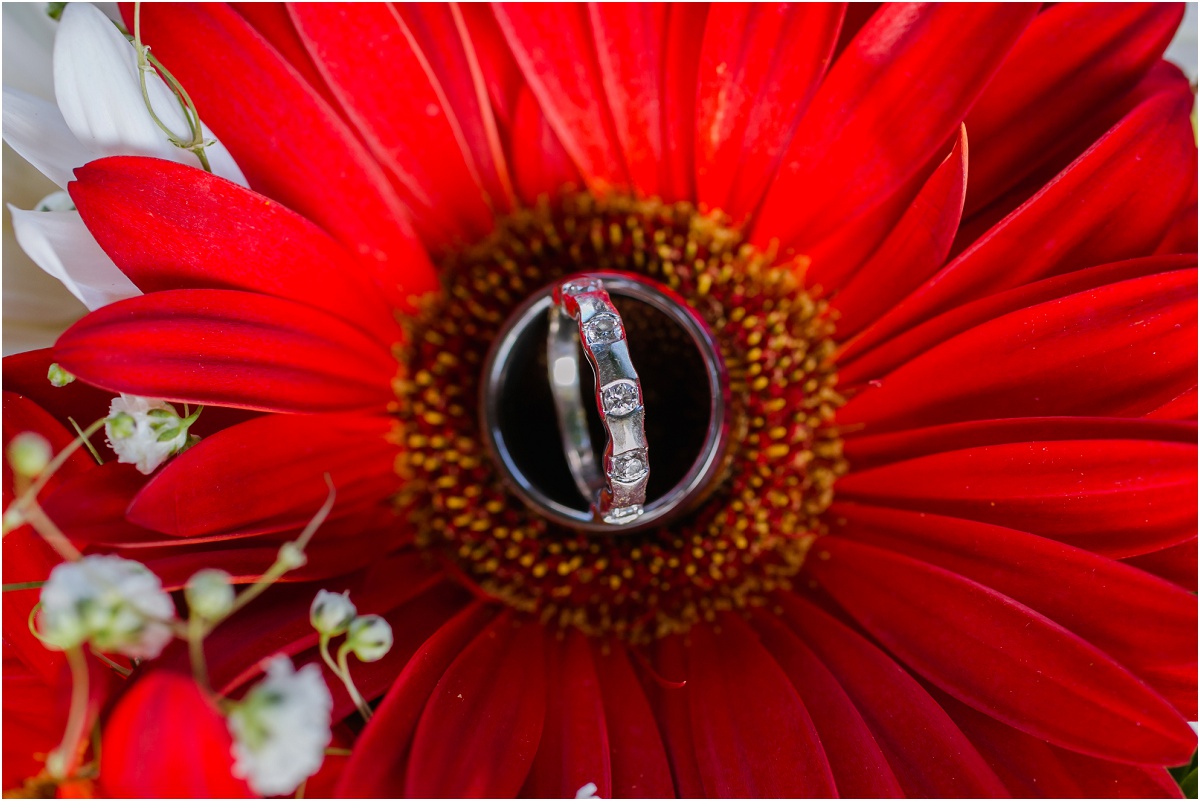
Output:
x=369 y=638
x=332 y=612
x=209 y=593
x=116 y=604
x=281 y=728
x=146 y=432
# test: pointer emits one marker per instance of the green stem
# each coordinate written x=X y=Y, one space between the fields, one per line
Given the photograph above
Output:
x=44 y=526
x=86 y=441
x=195 y=638
x=124 y=671
x=323 y=647
x=355 y=696
x=61 y=760
x=24 y=585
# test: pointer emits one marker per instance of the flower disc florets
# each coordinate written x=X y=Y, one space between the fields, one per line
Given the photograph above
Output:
x=747 y=539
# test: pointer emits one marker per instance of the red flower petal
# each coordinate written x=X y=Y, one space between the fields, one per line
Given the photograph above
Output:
x=460 y=62
x=378 y=765
x=674 y=717
x=166 y=739
x=482 y=725
x=246 y=91
x=860 y=769
x=267 y=474
x=1181 y=407
x=760 y=65
x=1144 y=623
x=229 y=348
x=867 y=357
x=1140 y=349
x=574 y=749
x=169 y=226
x=630 y=41
x=1176 y=563
x=91 y=506
x=21 y=415
x=684 y=38
x=27 y=558
x=639 y=761
x=25 y=374
x=872 y=451
x=753 y=736
x=540 y=164
x=1134 y=179
x=553 y=45
x=930 y=756
x=1079 y=492
x=1033 y=768
x=1001 y=657
x=1071 y=60
x=912 y=252
x=499 y=70
x=272 y=22
x=896 y=94
x=404 y=119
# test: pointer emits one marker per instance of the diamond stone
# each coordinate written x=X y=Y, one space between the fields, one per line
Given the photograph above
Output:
x=619 y=399
x=602 y=328
x=579 y=287
x=629 y=467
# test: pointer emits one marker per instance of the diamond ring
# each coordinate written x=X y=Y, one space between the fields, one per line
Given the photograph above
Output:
x=541 y=433
x=584 y=313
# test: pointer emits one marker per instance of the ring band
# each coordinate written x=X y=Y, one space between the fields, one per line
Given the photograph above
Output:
x=512 y=420
x=584 y=313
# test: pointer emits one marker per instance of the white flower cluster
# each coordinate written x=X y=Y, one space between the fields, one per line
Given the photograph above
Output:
x=115 y=604
x=145 y=432
x=281 y=728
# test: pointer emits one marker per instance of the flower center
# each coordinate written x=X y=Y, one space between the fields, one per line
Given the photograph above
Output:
x=748 y=537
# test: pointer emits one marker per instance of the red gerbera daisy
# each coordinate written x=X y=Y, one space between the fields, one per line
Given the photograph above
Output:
x=951 y=548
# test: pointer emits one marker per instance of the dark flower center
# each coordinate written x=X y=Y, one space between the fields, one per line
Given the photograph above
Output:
x=747 y=538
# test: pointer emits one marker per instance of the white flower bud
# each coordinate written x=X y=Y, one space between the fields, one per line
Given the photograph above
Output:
x=209 y=593
x=281 y=728
x=587 y=791
x=369 y=638
x=292 y=556
x=55 y=201
x=332 y=612
x=146 y=432
x=58 y=376
x=116 y=604
x=29 y=453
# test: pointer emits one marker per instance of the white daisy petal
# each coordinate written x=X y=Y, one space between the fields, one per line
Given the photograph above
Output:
x=28 y=41
x=60 y=244
x=97 y=84
x=35 y=128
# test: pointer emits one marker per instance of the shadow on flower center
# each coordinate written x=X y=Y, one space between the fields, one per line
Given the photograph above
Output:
x=747 y=538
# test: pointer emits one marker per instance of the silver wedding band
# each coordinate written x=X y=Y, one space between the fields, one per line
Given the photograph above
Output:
x=583 y=313
x=612 y=483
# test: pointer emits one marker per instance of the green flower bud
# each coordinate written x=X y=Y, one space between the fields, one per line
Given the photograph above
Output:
x=58 y=376
x=29 y=454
